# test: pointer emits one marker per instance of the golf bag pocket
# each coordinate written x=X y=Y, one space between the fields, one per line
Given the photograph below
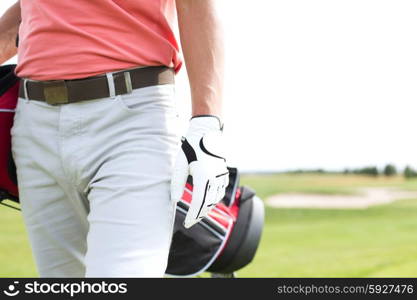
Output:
x=224 y=241
x=9 y=88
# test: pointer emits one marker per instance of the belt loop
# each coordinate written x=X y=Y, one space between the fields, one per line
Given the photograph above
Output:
x=110 y=81
x=25 y=89
x=128 y=82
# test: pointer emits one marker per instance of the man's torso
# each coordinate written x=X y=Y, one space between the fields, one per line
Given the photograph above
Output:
x=81 y=38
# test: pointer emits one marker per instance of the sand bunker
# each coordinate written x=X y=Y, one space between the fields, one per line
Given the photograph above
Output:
x=365 y=198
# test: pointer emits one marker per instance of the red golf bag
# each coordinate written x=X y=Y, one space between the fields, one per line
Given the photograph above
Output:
x=9 y=87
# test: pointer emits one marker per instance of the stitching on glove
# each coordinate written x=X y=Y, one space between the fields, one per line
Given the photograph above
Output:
x=223 y=174
x=211 y=116
x=204 y=199
x=203 y=148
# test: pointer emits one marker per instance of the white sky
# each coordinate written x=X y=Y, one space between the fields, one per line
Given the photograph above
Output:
x=324 y=83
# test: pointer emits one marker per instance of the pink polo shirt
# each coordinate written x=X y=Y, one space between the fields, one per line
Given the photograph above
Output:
x=68 y=39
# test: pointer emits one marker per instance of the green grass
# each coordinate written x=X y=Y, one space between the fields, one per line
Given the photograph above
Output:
x=266 y=185
x=379 y=241
x=15 y=255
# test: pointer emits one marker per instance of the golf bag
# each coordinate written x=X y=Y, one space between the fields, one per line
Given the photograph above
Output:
x=9 y=86
x=223 y=242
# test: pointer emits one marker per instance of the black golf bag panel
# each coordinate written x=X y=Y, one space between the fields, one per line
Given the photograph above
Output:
x=224 y=241
x=245 y=236
x=193 y=250
x=9 y=86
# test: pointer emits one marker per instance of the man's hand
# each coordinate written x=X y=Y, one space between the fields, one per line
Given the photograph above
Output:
x=201 y=157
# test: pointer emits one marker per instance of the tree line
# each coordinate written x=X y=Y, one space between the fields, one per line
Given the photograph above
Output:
x=389 y=170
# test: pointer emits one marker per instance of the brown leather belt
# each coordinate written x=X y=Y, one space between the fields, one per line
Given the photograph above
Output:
x=69 y=91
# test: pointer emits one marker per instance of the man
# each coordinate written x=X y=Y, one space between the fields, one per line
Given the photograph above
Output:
x=95 y=136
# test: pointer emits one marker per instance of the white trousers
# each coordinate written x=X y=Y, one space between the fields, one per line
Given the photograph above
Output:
x=94 y=181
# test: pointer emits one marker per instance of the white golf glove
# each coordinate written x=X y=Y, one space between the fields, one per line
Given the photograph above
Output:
x=201 y=156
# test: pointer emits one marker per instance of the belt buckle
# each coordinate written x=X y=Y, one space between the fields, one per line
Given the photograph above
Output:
x=55 y=92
